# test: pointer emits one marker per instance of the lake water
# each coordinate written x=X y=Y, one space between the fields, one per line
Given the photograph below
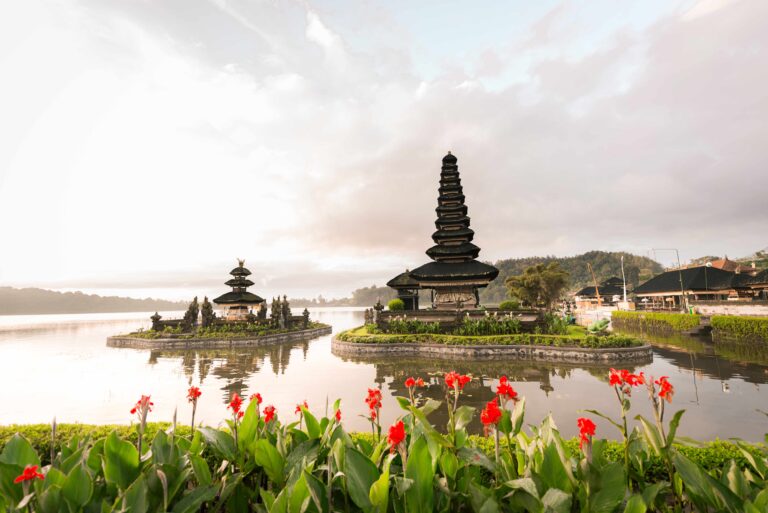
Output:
x=59 y=365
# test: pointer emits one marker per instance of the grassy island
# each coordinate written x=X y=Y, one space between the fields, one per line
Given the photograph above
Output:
x=228 y=331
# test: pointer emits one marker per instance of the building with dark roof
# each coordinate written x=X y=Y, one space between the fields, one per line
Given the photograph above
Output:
x=407 y=289
x=239 y=302
x=455 y=274
x=611 y=291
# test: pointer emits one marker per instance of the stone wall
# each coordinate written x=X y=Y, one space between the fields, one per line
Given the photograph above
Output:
x=745 y=308
x=546 y=353
x=207 y=343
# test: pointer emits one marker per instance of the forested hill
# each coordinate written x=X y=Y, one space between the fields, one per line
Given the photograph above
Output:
x=605 y=265
x=39 y=301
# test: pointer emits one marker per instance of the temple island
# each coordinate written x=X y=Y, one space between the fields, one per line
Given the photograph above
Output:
x=242 y=320
x=455 y=324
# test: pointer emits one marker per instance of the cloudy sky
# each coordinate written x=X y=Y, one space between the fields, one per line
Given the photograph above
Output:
x=145 y=144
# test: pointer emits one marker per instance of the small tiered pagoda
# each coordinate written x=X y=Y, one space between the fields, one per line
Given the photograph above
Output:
x=239 y=303
x=455 y=275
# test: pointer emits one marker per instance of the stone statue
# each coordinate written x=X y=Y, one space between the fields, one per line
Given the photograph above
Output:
x=156 y=322
x=305 y=321
x=377 y=309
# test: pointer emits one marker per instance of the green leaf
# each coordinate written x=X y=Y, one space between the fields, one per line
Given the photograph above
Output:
x=18 y=451
x=449 y=464
x=464 y=416
x=317 y=491
x=121 y=461
x=652 y=435
x=379 y=492
x=673 y=427
x=299 y=498
x=135 y=499
x=361 y=474
x=249 y=425
x=525 y=484
x=270 y=460
x=505 y=424
x=613 y=487
x=193 y=501
x=635 y=504
x=704 y=487
x=78 y=487
x=606 y=417
x=201 y=470
x=473 y=456
x=404 y=402
x=313 y=426
x=419 y=468
x=556 y=501
x=552 y=471
x=50 y=500
x=518 y=414
x=220 y=441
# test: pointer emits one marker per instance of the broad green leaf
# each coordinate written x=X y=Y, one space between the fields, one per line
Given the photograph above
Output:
x=221 y=442
x=121 y=461
x=55 y=476
x=635 y=504
x=270 y=460
x=50 y=500
x=404 y=403
x=201 y=470
x=317 y=490
x=464 y=416
x=736 y=481
x=18 y=451
x=525 y=484
x=299 y=498
x=379 y=492
x=449 y=464
x=135 y=499
x=505 y=424
x=613 y=487
x=473 y=456
x=313 y=426
x=419 y=468
x=78 y=487
x=673 y=424
x=552 y=471
x=652 y=435
x=704 y=486
x=193 y=501
x=249 y=424
x=556 y=501
x=361 y=474
x=518 y=415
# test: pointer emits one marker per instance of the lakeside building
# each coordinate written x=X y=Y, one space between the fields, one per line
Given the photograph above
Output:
x=407 y=289
x=239 y=303
x=673 y=288
x=455 y=275
x=611 y=292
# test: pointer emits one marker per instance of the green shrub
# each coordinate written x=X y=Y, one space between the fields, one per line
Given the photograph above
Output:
x=654 y=321
x=489 y=325
x=396 y=304
x=509 y=304
x=740 y=328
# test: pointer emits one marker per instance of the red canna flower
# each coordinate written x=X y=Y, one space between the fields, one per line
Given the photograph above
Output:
x=374 y=399
x=419 y=382
x=193 y=393
x=236 y=404
x=142 y=403
x=410 y=382
x=269 y=413
x=396 y=435
x=298 y=407
x=586 y=430
x=666 y=390
x=256 y=397
x=505 y=390
x=373 y=415
x=453 y=379
x=491 y=414
x=624 y=377
x=30 y=474
x=338 y=415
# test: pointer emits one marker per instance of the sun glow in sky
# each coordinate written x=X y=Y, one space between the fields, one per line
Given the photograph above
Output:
x=146 y=145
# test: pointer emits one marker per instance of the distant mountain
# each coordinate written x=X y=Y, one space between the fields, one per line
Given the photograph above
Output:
x=39 y=301
x=605 y=264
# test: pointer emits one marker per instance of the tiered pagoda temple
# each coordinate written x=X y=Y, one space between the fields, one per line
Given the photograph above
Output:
x=239 y=303
x=407 y=289
x=455 y=275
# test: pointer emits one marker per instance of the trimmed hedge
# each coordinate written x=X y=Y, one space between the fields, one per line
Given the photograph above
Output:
x=740 y=328
x=525 y=339
x=653 y=321
x=711 y=455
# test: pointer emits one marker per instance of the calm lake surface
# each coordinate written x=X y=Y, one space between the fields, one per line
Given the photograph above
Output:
x=59 y=365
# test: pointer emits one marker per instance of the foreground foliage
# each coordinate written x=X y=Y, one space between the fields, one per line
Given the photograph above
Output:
x=740 y=328
x=311 y=464
x=655 y=321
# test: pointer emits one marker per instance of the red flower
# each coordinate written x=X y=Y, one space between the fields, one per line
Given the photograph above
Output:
x=666 y=390
x=193 y=393
x=256 y=397
x=269 y=413
x=454 y=378
x=30 y=474
x=505 y=390
x=623 y=376
x=298 y=407
x=373 y=415
x=586 y=430
x=419 y=382
x=338 y=415
x=396 y=435
x=374 y=399
x=410 y=382
x=142 y=403
x=236 y=404
x=491 y=414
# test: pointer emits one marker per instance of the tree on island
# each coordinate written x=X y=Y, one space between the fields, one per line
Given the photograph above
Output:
x=207 y=314
x=540 y=285
x=190 y=316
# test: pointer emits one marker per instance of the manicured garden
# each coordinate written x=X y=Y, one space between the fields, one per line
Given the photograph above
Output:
x=655 y=321
x=740 y=328
x=264 y=460
x=218 y=331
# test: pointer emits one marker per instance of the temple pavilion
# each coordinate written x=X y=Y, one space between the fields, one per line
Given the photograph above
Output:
x=455 y=275
x=407 y=289
x=239 y=303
